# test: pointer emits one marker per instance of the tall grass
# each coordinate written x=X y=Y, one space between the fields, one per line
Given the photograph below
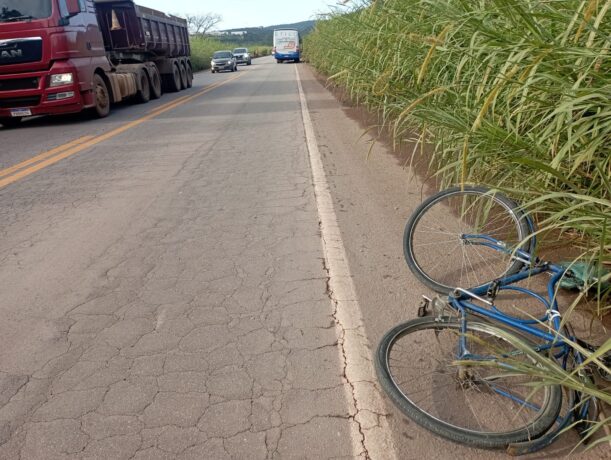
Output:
x=511 y=93
x=515 y=94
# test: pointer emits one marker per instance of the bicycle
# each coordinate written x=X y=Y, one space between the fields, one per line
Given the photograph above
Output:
x=463 y=376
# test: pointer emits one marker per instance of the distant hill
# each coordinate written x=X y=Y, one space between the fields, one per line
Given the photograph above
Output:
x=262 y=35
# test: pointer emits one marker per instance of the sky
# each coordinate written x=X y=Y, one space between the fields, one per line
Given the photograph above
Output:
x=246 y=13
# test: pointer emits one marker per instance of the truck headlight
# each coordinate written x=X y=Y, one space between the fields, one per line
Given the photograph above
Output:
x=60 y=79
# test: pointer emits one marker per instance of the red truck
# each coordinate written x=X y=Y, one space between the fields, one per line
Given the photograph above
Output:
x=64 y=56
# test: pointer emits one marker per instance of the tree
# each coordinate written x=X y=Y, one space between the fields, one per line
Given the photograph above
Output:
x=200 y=24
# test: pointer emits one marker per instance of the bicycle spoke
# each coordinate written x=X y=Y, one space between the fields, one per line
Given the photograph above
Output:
x=449 y=219
x=465 y=394
x=435 y=243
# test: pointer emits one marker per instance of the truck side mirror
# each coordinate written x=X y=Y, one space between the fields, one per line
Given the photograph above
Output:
x=73 y=7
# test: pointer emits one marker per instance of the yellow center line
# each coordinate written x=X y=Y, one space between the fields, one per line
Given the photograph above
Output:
x=174 y=101
x=42 y=156
x=46 y=159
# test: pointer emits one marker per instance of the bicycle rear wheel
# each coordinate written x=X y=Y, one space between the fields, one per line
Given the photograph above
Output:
x=474 y=402
x=438 y=253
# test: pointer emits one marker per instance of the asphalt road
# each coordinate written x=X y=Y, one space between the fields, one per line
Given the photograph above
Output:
x=166 y=293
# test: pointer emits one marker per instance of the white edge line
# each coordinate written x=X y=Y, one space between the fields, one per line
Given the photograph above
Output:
x=362 y=389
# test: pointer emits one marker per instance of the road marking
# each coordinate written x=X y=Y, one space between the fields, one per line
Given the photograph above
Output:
x=174 y=101
x=42 y=156
x=368 y=405
x=18 y=172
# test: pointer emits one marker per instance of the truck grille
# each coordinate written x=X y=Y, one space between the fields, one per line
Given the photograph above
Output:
x=18 y=102
x=17 y=84
x=20 y=50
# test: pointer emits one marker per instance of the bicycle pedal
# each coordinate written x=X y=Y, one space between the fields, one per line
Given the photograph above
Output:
x=423 y=309
x=493 y=289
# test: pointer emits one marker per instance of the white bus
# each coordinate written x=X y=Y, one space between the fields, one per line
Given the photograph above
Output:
x=286 y=45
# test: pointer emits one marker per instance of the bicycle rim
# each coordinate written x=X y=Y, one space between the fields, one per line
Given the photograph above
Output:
x=439 y=254
x=475 y=404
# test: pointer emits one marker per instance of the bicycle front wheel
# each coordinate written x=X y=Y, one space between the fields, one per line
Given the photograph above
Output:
x=475 y=401
x=437 y=246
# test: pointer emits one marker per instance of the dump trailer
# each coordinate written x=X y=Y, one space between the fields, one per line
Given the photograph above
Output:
x=64 y=56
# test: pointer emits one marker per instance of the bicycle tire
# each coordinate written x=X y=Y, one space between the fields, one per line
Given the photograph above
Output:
x=439 y=234
x=442 y=418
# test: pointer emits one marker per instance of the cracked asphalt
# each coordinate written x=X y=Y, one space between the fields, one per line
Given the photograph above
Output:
x=164 y=292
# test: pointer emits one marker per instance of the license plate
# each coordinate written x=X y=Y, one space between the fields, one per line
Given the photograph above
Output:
x=21 y=112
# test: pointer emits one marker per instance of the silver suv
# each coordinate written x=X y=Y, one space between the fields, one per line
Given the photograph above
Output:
x=242 y=56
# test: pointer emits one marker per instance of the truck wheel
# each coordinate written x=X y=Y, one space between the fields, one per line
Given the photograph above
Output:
x=173 y=80
x=144 y=93
x=183 y=77
x=155 y=84
x=189 y=76
x=102 y=97
x=278 y=61
x=10 y=122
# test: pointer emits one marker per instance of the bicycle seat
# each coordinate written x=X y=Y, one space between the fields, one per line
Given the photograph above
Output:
x=580 y=274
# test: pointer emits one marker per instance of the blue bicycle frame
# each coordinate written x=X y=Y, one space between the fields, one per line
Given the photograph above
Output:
x=462 y=300
x=459 y=299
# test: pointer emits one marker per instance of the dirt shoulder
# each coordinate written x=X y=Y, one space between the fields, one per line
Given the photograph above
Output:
x=374 y=192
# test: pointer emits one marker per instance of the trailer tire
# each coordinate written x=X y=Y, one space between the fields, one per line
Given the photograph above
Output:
x=189 y=76
x=144 y=93
x=173 y=80
x=183 y=76
x=101 y=96
x=155 y=83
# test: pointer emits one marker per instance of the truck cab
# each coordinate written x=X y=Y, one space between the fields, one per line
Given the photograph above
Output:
x=49 y=52
x=63 y=56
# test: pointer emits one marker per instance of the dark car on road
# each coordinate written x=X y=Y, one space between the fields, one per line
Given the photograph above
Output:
x=223 y=60
x=242 y=56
